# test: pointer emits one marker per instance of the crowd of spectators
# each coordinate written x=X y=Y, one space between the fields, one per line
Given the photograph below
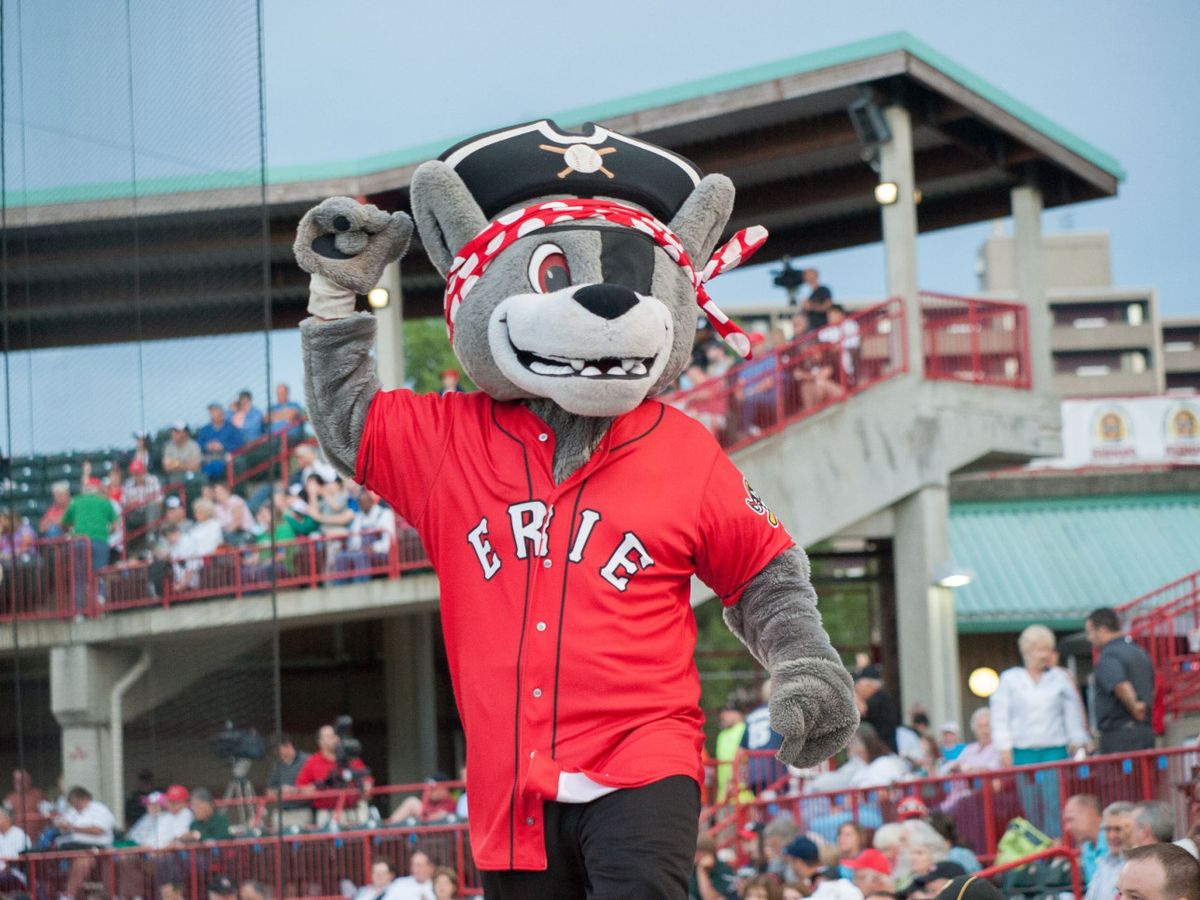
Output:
x=857 y=841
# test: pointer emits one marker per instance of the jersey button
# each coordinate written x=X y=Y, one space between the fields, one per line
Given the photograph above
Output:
x=546 y=564
x=529 y=820
x=541 y=626
x=543 y=437
x=537 y=692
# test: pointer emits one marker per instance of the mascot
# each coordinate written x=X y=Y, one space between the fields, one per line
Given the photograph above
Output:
x=564 y=509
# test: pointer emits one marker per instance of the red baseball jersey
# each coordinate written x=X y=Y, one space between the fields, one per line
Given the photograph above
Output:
x=565 y=607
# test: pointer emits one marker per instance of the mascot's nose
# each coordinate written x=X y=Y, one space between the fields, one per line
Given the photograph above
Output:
x=608 y=301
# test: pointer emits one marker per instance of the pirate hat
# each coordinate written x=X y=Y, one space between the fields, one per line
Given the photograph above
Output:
x=510 y=166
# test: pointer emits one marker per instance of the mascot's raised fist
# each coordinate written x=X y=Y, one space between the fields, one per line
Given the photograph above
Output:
x=350 y=243
x=812 y=707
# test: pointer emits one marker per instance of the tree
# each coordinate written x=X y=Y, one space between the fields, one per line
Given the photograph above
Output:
x=427 y=354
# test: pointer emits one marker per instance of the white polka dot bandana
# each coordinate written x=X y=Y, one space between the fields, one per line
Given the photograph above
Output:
x=474 y=258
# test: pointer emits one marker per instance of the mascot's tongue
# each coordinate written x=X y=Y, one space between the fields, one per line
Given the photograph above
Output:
x=477 y=254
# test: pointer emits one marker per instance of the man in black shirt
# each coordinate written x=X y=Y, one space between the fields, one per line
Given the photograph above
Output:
x=816 y=305
x=1124 y=686
x=876 y=706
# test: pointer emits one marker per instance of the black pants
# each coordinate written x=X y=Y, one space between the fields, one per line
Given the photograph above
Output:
x=634 y=844
x=1134 y=736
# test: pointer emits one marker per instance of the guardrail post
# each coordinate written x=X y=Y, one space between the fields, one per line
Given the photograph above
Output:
x=989 y=815
x=977 y=374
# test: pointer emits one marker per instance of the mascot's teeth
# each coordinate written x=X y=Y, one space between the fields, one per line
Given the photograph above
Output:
x=627 y=364
x=542 y=368
x=616 y=370
x=577 y=365
x=591 y=372
x=638 y=369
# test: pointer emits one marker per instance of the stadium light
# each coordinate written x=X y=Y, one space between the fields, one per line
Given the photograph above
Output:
x=378 y=298
x=983 y=682
x=887 y=193
x=948 y=575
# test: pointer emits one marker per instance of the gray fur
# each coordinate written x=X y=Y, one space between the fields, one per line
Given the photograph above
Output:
x=575 y=437
x=703 y=217
x=339 y=382
x=812 y=699
x=376 y=237
x=447 y=215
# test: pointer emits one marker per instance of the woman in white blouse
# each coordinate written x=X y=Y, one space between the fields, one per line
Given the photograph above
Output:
x=1037 y=715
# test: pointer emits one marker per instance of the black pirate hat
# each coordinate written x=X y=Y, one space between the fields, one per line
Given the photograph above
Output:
x=507 y=167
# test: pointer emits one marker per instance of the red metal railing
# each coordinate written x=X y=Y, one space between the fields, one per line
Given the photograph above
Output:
x=273 y=447
x=303 y=865
x=766 y=394
x=1166 y=622
x=52 y=582
x=977 y=341
x=980 y=803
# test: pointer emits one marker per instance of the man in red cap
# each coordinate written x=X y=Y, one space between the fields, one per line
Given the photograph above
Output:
x=872 y=872
x=911 y=808
x=142 y=499
x=450 y=383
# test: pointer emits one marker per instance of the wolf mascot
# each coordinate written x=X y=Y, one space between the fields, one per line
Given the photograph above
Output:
x=564 y=509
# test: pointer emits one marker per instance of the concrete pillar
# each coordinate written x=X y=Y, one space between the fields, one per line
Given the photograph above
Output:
x=900 y=228
x=925 y=620
x=410 y=696
x=81 y=681
x=1030 y=265
x=389 y=341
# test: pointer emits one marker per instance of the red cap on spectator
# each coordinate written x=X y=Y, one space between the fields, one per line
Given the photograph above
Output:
x=911 y=808
x=176 y=793
x=448 y=372
x=869 y=859
x=93 y=481
x=137 y=467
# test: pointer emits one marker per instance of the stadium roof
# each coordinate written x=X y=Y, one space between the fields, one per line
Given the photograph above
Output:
x=780 y=130
x=1055 y=560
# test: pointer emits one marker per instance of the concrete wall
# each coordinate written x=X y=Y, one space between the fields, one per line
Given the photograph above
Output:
x=1073 y=259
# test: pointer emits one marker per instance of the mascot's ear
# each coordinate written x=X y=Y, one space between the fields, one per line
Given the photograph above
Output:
x=703 y=217
x=446 y=213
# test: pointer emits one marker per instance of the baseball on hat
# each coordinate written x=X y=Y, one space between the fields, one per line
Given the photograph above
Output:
x=911 y=808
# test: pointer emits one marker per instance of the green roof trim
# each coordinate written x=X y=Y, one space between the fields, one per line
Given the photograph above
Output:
x=785 y=68
x=1054 y=560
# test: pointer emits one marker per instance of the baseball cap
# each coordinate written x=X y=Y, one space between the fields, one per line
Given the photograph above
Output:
x=951 y=726
x=154 y=798
x=216 y=405
x=299 y=506
x=870 y=859
x=179 y=425
x=176 y=793
x=911 y=808
x=804 y=849
x=971 y=887
x=173 y=502
x=945 y=870
x=836 y=889
x=222 y=885
x=137 y=467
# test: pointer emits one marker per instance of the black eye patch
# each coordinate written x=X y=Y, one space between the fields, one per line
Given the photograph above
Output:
x=626 y=256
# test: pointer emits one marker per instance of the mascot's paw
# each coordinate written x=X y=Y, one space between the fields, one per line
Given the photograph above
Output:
x=812 y=707
x=350 y=243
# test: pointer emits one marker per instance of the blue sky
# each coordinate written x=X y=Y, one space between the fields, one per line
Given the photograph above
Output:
x=359 y=77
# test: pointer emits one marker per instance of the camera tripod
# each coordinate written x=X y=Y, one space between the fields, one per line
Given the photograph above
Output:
x=241 y=791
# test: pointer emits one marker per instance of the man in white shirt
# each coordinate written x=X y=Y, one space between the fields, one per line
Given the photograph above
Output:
x=844 y=331
x=167 y=818
x=13 y=841
x=419 y=884
x=1117 y=826
x=87 y=824
x=383 y=876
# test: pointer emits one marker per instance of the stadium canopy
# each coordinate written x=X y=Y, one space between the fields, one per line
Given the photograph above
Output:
x=781 y=131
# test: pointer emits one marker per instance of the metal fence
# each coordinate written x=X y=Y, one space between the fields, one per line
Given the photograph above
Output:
x=976 y=341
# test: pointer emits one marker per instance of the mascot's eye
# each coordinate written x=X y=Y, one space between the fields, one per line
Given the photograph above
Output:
x=548 y=271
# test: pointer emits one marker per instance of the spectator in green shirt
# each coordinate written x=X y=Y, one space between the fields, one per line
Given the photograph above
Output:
x=91 y=515
x=209 y=824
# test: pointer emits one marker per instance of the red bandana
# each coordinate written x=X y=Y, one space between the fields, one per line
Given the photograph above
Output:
x=474 y=258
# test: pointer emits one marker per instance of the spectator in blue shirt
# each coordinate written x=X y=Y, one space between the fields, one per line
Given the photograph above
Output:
x=246 y=417
x=216 y=439
x=286 y=414
x=763 y=769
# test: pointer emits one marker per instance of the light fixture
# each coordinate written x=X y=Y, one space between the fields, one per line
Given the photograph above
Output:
x=887 y=193
x=983 y=682
x=378 y=298
x=948 y=575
